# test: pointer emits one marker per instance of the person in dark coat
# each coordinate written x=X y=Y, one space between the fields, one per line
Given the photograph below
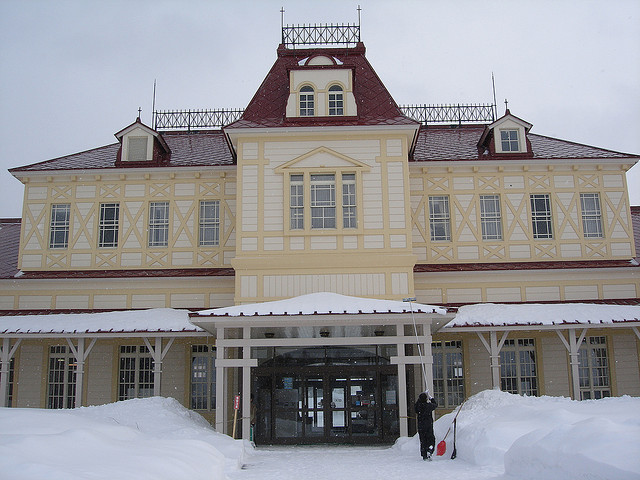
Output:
x=424 y=410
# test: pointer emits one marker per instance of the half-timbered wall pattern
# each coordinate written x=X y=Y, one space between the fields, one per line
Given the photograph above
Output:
x=514 y=188
x=133 y=194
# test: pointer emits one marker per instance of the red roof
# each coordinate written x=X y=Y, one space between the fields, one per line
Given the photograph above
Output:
x=374 y=103
x=473 y=267
x=460 y=142
x=200 y=149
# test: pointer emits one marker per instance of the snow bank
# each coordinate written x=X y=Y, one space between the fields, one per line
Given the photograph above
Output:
x=154 y=438
x=545 y=437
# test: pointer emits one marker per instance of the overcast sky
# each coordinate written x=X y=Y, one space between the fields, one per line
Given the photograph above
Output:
x=72 y=73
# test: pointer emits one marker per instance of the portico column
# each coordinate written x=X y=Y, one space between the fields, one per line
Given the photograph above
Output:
x=221 y=384
x=246 y=385
x=494 y=348
x=402 y=384
x=428 y=358
x=573 y=346
x=80 y=354
x=6 y=354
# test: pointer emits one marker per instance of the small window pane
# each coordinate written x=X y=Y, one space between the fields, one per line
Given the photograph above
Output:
x=591 y=215
x=323 y=201
x=158 y=224
x=307 y=102
x=137 y=149
x=541 y=216
x=509 y=140
x=209 y=222
x=59 y=226
x=439 y=219
x=108 y=226
x=296 y=199
x=490 y=217
x=336 y=100
x=349 y=201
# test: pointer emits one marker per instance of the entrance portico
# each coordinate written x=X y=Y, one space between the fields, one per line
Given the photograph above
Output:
x=314 y=348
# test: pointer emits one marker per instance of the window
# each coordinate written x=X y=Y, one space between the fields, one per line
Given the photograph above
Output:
x=61 y=385
x=11 y=371
x=108 y=226
x=137 y=149
x=307 y=102
x=448 y=373
x=541 y=215
x=158 y=224
x=509 y=140
x=439 y=219
x=323 y=201
x=136 y=372
x=59 y=226
x=490 y=217
x=209 y=223
x=203 y=377
x=593 y=368
x=591 y=215
x=296 y=201
x=349 y=219
x=336 y=100
x=518 y=367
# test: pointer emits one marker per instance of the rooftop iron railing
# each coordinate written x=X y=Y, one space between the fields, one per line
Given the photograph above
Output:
x=426 y=114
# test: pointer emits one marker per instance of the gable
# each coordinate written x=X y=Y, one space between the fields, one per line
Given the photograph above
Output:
x=322 y=157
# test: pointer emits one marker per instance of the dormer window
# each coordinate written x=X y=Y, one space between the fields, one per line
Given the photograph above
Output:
x=137 y=149
x=336 y=100
x=509 y=140
x=307 y=102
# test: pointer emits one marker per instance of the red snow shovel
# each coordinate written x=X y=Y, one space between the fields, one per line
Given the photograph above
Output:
x=442 y=446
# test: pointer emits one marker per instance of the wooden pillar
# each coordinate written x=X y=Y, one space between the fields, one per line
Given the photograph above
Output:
x=221 y=385
x=493 y=348
x=80 y=354
x=6 y=354
x=246 y=385
x=573 y=346
x=402 y=384
x=158 y=354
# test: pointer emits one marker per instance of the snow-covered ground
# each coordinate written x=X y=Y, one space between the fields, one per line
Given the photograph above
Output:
x=500 y=436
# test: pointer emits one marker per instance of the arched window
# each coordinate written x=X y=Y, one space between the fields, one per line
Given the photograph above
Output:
x=307 y=102
x=336 y=100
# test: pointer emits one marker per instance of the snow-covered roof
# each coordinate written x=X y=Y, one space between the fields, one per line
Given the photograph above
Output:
x=492 y=314
x=323 y=303
x=130 y=321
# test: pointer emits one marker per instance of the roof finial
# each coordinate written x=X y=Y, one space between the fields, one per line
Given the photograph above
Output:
x=139 y=112
x=506 y=107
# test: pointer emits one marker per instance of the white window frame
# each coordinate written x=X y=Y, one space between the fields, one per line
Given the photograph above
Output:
x=323 y=200
x=108 y=225
x=135 y=372
x=509 y=140
x=203 y=377
x=137 y=148
x=336 y=100
x=490 y=217
x=158 y=224
x=518 y=367
x=59 y=225
x=307 y=101
x=439 y=218
x=541 y=218
x=448 y=373
x=296 y=201
x=594 y=368
x=591 y=215
x=61 y=378
x=209 y=223
x=349 y=201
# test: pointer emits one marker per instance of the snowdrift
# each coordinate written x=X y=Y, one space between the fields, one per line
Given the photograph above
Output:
x=545 y=437
x=152 y=438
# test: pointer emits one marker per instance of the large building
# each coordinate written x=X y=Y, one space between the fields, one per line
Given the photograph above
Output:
x=327 y=238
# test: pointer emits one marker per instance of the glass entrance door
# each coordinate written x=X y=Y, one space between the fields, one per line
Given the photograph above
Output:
x=337 y=414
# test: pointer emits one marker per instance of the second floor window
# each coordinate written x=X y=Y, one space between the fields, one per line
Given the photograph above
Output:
x=108 y=226
x=323 y=201
x=439 y=218
x=209 y=222
x=59 y=226
x=307 y=102
x=591 y=215
x=541 y=215
x=336 y=100
x=490 y=217
x=158 y=224
x=349 y=218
